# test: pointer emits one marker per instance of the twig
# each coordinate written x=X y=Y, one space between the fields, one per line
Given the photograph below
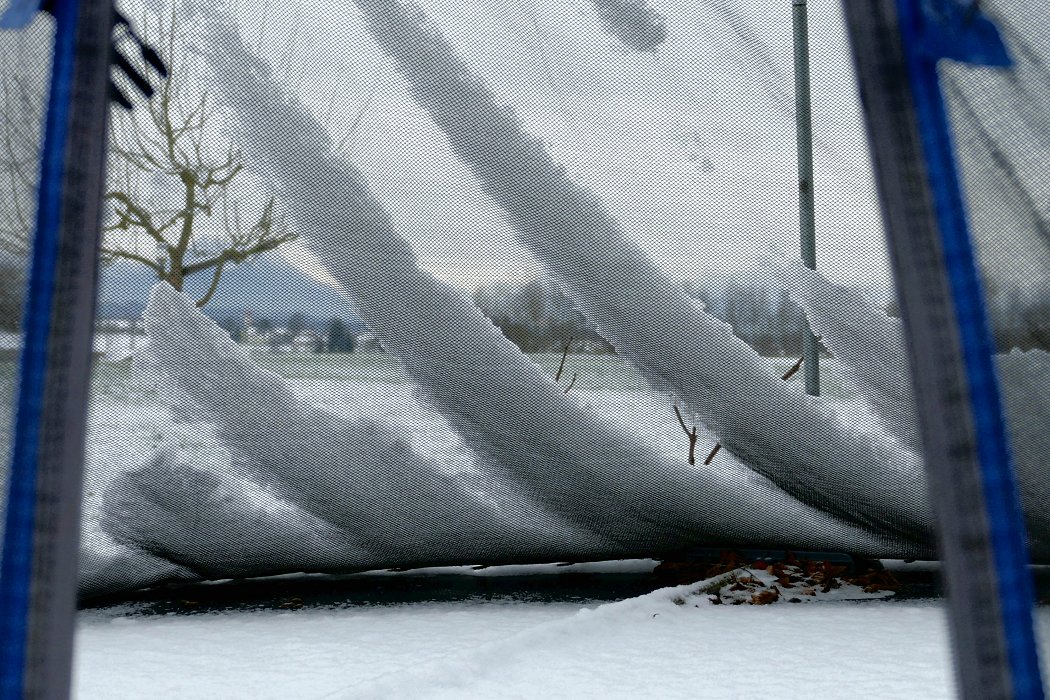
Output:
x=690 y=434
x=565 y=354
x=794 y=368
x=573 y=381
x=214 y=285
x=787 y=375
x=680 y=421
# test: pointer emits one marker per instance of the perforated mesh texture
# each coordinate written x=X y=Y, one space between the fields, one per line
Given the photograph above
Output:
x=25 y=64
x=346 y=250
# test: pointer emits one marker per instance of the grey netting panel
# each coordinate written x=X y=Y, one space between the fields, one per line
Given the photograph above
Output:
x=399 y=284
x=25 y=66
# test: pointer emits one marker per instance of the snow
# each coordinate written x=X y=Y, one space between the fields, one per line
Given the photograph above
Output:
x=305 y=488
x=128 y=426
x=651 y=647
x=614 y=487
x=536 y=473
x=116 y=346
x=647 y=646
x=864 y=338
x=870 y=348
x=861 y=478
x=302 y=653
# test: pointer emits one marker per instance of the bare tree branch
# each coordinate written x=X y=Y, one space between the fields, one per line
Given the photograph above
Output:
x=681 y=422
x=572 y=382
x=787 y=375
x=128 y=255
x=214 y=285
x=561 y=367
x=173 y=177
x=691 y=434
x=794 y=368
x=133 y=215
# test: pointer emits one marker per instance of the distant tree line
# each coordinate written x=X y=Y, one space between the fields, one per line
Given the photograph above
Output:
x=762 y=316
x=538 y=318
x=333 y=336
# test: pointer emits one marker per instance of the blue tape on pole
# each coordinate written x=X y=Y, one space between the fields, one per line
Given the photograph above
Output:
x=16 y=568
x=932 y=30
x=19 y=14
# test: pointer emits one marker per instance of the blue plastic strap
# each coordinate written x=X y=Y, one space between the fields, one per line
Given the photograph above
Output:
x=19 y=14
x=16 y=568
x=930 y=31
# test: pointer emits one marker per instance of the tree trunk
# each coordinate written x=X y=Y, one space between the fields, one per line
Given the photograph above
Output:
x=214 y=285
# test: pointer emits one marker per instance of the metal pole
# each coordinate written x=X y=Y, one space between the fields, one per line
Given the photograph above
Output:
x=804 y=136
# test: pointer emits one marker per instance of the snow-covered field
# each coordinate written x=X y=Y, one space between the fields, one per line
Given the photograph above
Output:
x=482 y=643
x=489 y=645
x=535 y=640
x=128 y=421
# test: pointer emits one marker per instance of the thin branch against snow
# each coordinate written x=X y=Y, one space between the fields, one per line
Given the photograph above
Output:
x=561 y=366
x=691 y=434
x=572 y=382
x=794 y=369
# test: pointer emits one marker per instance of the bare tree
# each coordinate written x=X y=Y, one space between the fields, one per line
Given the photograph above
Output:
x=24 y=75
x=173 y=179
x=17 y=187
x=23 y=88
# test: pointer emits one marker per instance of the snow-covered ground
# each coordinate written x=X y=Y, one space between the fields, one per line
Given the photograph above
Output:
x=127 y=422
x=488 y=646
x=536 y=641
x=527 y=643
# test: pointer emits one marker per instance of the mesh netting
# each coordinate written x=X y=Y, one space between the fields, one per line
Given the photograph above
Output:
x=406 y=284
x=25 y=66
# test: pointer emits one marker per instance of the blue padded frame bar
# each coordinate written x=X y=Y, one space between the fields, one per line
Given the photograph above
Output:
x=40 y=545
x=950 y=29
x=897 y=45
x=16 y=567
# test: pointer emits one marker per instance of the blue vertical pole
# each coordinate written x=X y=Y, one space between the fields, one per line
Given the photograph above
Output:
x=957 y=30
x=897 y=45
x=16 y=567
x=40 y=544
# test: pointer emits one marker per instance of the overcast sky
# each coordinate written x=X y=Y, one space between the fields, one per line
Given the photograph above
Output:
x=692 y=147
